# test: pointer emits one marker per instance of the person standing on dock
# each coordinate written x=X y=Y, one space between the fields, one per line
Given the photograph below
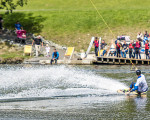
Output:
x=47 y=48
x=140 y=36
x=124 y=49
x=146 y=35
x=138 y=49
x=96 y=44
x=131 y=47
x=118 y=47
x=147 y=49
x=55 y=56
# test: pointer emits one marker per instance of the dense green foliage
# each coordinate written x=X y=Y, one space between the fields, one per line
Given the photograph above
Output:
x=10 y=5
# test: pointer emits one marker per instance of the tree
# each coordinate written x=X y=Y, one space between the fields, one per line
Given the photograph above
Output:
x=11 y=5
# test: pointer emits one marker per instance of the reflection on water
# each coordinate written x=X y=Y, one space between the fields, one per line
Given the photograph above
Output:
x=140 y=103
x=74 y=92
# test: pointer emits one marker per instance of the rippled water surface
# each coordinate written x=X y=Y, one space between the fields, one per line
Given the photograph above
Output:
x=70 y=93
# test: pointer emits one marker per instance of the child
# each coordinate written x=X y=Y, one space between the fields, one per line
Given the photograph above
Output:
x=47 y=48
x=23 y=35
x=147 y=49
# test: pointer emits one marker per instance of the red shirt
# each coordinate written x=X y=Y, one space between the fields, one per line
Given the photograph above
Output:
x=118 y=46
x=131 y=45
x=137 y=45
x=146 y=46
x=96 y=43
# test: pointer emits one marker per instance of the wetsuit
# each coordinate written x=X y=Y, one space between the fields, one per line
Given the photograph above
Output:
x=140 y=85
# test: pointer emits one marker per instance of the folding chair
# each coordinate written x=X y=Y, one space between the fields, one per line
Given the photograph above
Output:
x=69 y=52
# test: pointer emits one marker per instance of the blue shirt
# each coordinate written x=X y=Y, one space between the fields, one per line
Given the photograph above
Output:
x=18 y=26
x=55 y=55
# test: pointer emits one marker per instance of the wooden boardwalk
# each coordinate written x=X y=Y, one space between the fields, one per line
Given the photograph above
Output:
x=122 y=61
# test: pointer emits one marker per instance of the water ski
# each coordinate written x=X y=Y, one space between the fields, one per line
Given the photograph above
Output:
x=124 y=91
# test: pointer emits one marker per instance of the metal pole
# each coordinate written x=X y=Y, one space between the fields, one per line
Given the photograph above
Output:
x=99 y=45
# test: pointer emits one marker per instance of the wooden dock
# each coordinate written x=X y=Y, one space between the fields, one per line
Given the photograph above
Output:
x=122 y=61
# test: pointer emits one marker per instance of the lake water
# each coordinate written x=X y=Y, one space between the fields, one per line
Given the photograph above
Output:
x=70 y=93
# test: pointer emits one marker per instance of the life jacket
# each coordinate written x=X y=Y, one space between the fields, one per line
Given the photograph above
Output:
x=131 y=45
x=118 y=46
x=96 y=43
x=146 y=46
x=137 y=45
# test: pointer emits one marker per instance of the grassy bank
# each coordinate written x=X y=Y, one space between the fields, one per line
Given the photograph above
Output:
x=74 y=22
x=11 y=54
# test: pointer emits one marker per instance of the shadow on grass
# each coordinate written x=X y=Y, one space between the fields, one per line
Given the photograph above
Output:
x=30 y=23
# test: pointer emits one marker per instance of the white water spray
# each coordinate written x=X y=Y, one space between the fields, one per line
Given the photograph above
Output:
x=54 y=81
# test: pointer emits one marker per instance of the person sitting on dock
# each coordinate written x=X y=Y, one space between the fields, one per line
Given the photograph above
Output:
x=147 y=49
x=131 y=47
x=118 y=47
x=140 y=86
x=138 y=49
x=124 y=49
x=55 y=56
x=96 y=44
x=103 y=47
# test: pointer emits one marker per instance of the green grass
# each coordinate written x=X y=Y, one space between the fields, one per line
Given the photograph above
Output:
x=11 y=52
x=7 y=55
x=70 y=22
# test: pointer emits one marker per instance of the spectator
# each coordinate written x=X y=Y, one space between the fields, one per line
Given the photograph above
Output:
x=55 y=56
x=145 y=37
x=118 y=47
x=131 y=47
x=47 y=48
x=147 y=49
x=24 y=35
x=134 y=49
x=18 y=26
x=23 y=39
x=140 y=36
x=38 y=42
x=112 y=50
x=124 y=49
x=137 y=48
x=146 y=34
x=103 y=47
x=1 y=21
x=96 y=44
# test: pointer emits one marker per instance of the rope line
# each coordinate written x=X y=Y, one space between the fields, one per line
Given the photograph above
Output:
x=102 y=18
x=109 y=28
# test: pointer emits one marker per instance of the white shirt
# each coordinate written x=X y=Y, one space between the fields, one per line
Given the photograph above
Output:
x=47 y=49
x=142 y=84
x=140 y=36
